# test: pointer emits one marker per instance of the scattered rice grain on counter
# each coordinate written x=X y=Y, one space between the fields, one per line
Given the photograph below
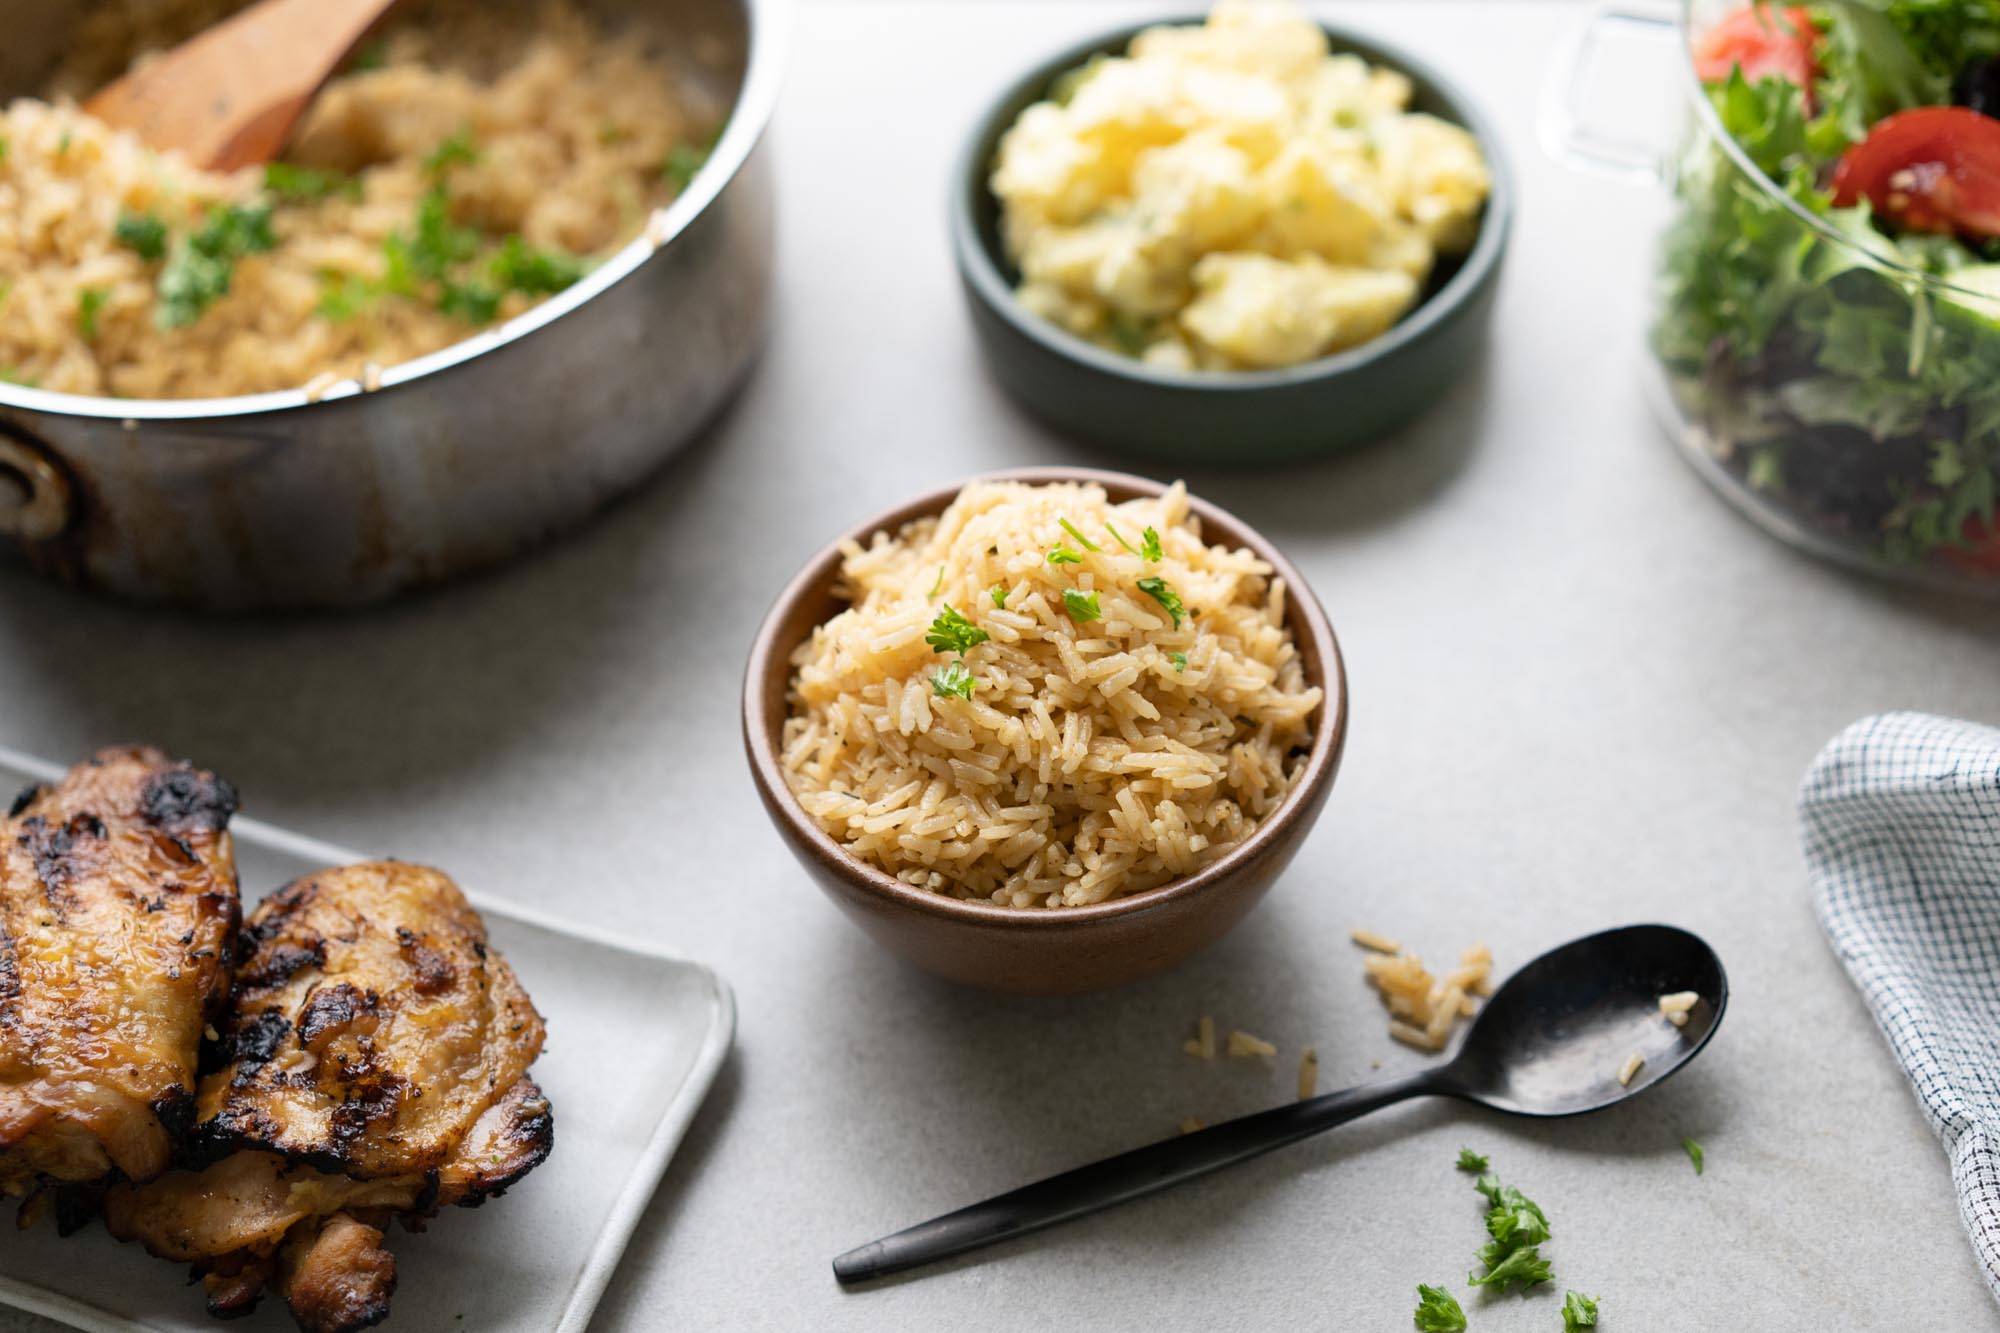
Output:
x=1202 y=1044
x=1090 y=740
x=1308 y=1073
x=1424 y=1009
x=1369 y=939
x=1245 y=1047
x=1191 y=1124
x=1630 y=1069
x=1675 y=1007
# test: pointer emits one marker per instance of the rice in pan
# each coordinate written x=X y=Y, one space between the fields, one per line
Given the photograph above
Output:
x=476 y=161
x=1042 y=700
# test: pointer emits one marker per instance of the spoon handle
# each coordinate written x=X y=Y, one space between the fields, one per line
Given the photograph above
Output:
x=1130 y=1175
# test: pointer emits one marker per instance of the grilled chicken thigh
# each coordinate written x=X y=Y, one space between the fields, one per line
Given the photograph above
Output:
x=118 y=912
x=374 y=1066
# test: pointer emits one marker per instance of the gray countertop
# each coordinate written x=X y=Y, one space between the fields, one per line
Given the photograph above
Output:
x=1584 y=692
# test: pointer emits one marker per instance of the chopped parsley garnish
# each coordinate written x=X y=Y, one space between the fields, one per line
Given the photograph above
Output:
x=3 y=147
x=999 y=596
x=1179 y=660
x=89 y=302
x=1149 y=544
x=144 y=234
x=372 y=56
x=683 y=161
x=473 y=302
x=1579 y=1311
x=437 y=244
x=1081 y=540
x=1082 y=606
x=294 y=183
x=936 y=587
x=953 y=633
x=1157 y=589
x=198 y=272
x=62 y=144
x=1469 y=1160
x=953 y=678
x=1062 y=555
x=1438 y=1311
x=457 y=151
x=1694 y=1153
x=536 y=272
x=343 y=295
x=1120 y=540
x=1518 y=1227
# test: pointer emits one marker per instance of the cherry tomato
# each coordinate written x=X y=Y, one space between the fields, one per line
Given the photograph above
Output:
x=1983 y=556
x=1936 y=168
x=1762 y=40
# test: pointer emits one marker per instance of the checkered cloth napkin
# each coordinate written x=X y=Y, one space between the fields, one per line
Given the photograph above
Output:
x=1901 y=817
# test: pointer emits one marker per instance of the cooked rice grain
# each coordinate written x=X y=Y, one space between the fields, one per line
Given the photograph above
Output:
x=1087 y=764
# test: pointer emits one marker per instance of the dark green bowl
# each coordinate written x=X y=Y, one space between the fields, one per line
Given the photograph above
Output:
x=1224 y=418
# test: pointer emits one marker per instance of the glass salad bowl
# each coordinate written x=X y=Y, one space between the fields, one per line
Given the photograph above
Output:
x=1824 y=336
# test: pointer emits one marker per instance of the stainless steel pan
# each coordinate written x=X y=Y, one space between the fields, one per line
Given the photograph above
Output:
x=460 y=458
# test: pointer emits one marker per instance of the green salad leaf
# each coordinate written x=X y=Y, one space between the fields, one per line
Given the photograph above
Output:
x=1803 y=349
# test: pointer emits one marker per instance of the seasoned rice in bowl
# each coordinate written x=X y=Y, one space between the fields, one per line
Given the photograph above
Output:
x=1026 y=703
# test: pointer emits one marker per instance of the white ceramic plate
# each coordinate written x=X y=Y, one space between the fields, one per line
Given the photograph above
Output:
x=635 y=1039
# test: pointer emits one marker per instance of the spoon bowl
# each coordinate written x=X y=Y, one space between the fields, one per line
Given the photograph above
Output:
x=1552 y=1039
x=1551 y=1042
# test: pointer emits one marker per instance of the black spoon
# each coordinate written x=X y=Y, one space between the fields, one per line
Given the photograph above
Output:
x=1551 y=1042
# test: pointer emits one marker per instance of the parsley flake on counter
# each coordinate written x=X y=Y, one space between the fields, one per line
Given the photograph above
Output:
x=1518 y=1227
x=1149 y=545
x=1062 y=555
x=1082 y=606
x=1695 y=1154
x=1469 y=1160
x=1157 y=589
x=999 y=595
x=89 y=302
x=1437 y=1311
x=294 y=183
x=1081 y=540
x=953 y=633
x=1179 y=660
x=1579 y=1311
x=953 y=678
x=1116 y=537
x=144 y=234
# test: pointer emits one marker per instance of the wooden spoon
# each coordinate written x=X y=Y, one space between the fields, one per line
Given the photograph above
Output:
x=230 y=97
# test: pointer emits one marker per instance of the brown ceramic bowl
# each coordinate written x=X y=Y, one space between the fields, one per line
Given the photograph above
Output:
x=1041 y=951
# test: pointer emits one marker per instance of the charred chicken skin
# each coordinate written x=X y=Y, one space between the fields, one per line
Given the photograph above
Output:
x=374 y=1066
x=118 y=914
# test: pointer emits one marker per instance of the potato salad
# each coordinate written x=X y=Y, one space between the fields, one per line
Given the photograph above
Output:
x=1233 y=196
